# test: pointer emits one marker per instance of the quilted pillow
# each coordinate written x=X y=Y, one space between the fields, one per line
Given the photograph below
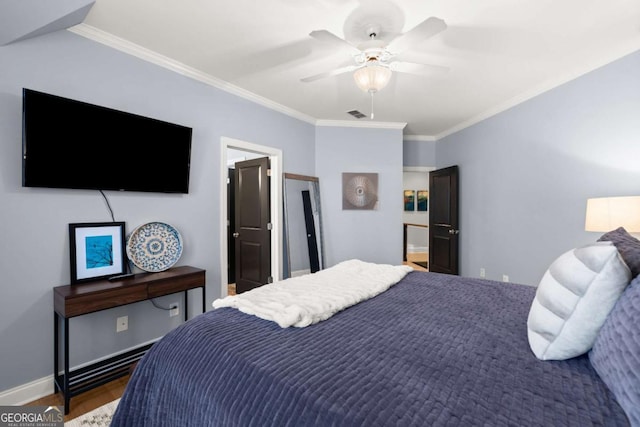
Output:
x=573 y=300
x=616 y=352
x=628 y=246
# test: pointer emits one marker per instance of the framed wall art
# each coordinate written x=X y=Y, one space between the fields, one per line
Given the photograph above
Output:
x=409 y=200
x=97 y=250
x=359 y=191
x=423 y=200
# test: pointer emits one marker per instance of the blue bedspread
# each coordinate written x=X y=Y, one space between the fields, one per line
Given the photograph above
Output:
x=434 y=350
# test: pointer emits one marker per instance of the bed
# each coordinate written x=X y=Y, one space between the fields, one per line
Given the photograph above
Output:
x=433 y=350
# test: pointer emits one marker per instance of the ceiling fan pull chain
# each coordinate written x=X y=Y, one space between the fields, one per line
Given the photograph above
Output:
x=371 y=92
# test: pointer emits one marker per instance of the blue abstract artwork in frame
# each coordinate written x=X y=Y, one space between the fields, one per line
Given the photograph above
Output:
x=409 y=200
x=98 y=251
x=423 y=200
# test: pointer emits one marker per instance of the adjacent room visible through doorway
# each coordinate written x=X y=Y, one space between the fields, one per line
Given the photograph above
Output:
x=415 y=216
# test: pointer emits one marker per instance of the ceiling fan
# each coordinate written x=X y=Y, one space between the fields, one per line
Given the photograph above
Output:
x=374 y=59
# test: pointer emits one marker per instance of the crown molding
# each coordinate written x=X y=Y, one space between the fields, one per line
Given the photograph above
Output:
x=354 y=124
x=548 y=85
x=418 y=168
x=140 y=52
x=148 y=55
x=428 y=138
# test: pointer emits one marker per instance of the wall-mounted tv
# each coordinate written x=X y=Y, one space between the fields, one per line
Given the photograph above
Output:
x=73 y=144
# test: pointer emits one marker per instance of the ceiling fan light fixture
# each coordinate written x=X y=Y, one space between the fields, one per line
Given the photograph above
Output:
x=372 y=77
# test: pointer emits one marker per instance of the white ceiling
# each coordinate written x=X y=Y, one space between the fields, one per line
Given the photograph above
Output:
x=499 y=52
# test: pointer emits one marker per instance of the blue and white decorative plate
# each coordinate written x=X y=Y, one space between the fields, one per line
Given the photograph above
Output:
x=154 y=246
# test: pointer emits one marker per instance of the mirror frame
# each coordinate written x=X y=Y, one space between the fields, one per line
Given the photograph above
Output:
x=320 y=237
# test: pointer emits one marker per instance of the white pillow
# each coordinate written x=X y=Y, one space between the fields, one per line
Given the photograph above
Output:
x=573 y=300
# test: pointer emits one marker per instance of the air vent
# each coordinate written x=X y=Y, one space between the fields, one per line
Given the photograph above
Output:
x=357 y=114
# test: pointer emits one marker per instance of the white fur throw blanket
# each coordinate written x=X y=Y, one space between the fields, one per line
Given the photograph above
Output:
x=305 y=300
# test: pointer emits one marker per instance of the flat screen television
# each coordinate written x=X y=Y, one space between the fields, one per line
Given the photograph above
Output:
x=73 y=144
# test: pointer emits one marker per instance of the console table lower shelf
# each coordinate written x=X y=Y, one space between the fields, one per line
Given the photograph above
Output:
x=77 y=300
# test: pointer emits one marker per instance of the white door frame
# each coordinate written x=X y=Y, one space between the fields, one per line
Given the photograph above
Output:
x=275 y=156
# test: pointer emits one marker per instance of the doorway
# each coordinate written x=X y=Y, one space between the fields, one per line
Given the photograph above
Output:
x=415 y=216
x=230 y=145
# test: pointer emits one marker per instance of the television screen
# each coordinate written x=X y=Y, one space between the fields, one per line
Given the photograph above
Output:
x=72 y=144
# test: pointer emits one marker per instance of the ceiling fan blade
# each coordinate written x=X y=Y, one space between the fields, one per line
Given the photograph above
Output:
x=427 y=28
x=329 y=37
x=329 y=73
x=415 y=68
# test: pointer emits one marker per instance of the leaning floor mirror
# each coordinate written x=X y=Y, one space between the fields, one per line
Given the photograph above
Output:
x=304 y=248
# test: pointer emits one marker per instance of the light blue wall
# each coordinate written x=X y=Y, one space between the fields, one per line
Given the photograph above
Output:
x=375 y=235
x=34 y=247
x=525 y=174
x=418 y=153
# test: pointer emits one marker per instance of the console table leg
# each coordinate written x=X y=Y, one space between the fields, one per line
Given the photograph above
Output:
x=56 y=349
x=204 y=304
x=67 y=397
x=186 y=305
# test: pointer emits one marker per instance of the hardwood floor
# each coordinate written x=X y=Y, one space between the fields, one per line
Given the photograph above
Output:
x=88 y=401
x=419 y=257
x=415 y=266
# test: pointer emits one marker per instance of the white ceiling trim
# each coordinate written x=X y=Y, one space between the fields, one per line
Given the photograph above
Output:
x=353 y=124
x=542 y=88
x=429 y=138
x=418 y=168
x=148 y=55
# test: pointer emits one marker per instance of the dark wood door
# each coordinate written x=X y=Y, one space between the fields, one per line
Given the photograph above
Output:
x=443 y=220
x=252 y=224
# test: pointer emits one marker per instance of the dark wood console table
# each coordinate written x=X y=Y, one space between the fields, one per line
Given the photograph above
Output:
x=76 y=300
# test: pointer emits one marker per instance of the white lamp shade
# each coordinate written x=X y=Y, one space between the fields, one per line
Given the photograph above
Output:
x=609 y=213
x=372 y=78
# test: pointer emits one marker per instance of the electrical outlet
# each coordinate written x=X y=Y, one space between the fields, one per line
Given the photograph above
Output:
x=174 y=309
x=122 y=323
x=505 y=278
x=483 y=273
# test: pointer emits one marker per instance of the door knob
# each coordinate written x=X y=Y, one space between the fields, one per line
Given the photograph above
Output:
x=452 y=231
x=236 y=235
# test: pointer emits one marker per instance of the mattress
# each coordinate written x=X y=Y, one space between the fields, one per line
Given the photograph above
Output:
x=433 y=350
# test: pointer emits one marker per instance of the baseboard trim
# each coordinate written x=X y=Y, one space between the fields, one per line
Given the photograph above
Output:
x=417 y=249
x=28 y=392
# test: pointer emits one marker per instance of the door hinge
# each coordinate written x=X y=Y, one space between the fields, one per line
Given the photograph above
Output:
x=268 y=172
x=269 y=226
x=270 y=279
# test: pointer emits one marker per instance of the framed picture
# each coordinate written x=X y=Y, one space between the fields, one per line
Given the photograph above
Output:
x=97 y=250
x=359 y=191
x=423 y=200
x=409 y=200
